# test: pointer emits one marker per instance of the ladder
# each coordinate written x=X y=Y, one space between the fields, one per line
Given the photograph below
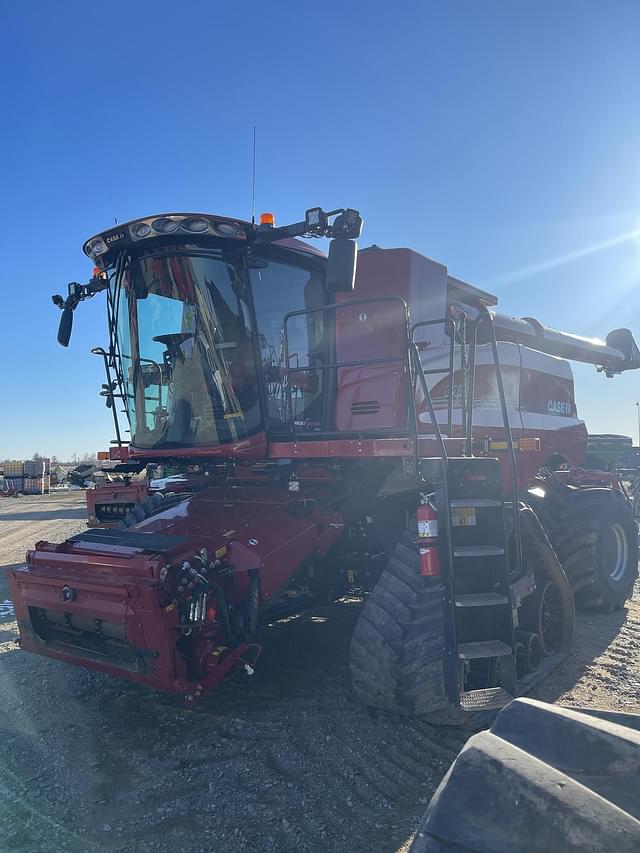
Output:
x=478 y=611
x=478 y=607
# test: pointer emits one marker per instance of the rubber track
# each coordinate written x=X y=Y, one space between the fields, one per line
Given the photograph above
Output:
x=397 y=648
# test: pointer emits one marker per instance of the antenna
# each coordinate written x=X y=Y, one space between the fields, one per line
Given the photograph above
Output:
x=253 y=187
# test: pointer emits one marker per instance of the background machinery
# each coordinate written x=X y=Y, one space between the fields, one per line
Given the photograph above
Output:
x=329 y=427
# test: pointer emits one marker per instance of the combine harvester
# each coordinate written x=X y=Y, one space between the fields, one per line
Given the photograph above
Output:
x=328 y=422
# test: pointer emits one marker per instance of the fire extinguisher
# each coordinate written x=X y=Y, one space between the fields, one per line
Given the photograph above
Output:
x=427 y=517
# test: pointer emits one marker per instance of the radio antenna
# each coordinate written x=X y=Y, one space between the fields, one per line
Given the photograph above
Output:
x=253 y=181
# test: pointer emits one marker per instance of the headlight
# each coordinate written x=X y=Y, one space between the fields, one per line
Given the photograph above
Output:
x=98 y=247
x=165 y=225
x=195 y=225
x=141 y=229
x=226 y=229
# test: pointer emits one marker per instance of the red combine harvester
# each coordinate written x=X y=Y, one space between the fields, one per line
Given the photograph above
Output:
x=329 y=421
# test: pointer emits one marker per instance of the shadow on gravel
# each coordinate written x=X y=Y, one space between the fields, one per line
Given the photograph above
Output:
x=285 y=761
x=595 y=631
x=4 y=586
x=54 y=514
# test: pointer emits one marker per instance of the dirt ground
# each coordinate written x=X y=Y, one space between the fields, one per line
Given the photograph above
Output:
x=285 y=760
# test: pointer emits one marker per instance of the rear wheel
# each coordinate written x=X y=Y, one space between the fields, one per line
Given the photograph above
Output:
x=634 y=491
x=594 y=534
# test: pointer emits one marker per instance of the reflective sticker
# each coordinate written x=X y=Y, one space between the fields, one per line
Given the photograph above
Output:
x=463 y=517
x=427 y=529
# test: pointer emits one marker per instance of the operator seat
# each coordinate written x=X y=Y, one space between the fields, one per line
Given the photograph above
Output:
x=196 y=401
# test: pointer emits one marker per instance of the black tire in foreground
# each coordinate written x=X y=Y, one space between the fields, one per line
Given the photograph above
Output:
x=594 y=534
x=543 y=778
x=397 y=647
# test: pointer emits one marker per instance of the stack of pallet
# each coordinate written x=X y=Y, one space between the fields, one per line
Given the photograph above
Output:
x=14 y=474
x=36 y=477
x=29 y=478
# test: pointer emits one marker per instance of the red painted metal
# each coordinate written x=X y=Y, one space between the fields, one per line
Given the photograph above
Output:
x=119 y=454
x=374 y=396
x=253 y=447
x=253 y=528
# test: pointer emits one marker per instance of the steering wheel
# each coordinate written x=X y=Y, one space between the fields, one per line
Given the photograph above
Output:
x=173 y=342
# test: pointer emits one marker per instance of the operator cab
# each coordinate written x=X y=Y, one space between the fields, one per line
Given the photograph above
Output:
x=196 y=306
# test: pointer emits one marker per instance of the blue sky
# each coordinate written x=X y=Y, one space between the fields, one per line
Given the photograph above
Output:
x=501 y=138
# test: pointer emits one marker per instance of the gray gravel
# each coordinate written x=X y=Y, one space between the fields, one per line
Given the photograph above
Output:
x=283 y=761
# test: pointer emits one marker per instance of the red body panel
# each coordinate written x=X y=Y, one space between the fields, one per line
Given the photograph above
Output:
x=253 y=447
x=373 y=396
x=120 y=588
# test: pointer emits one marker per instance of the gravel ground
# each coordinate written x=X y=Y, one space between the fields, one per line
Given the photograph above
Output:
x=283 y=761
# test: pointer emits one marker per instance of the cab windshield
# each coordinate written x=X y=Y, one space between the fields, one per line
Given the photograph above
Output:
x=186 y=348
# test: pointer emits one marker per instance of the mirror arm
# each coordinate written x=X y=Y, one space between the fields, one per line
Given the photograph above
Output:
x=79 y=292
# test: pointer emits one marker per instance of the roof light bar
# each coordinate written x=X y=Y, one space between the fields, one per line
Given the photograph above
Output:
x=165 y=225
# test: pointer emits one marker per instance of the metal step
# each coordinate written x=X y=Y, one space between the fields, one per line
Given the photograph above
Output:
x=478 y=551
x=480 y=599
x=477 y=502
x=484 y=649
x=485 y=700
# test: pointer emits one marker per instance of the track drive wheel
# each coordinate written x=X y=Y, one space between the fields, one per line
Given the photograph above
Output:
x=397 y=648
x=594 y=534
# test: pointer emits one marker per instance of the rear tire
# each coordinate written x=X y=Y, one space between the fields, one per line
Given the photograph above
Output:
x=594 y=534
x=397 y=649
x=634 y=491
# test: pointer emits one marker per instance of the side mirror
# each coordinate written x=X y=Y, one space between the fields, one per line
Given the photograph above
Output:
x=341 y=266
x=64 y=329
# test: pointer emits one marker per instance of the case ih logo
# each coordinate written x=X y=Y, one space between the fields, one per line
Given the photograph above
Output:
x=559 y=407
x=113 y=238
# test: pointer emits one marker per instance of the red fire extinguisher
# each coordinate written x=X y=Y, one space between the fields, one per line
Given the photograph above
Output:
x=427 y=517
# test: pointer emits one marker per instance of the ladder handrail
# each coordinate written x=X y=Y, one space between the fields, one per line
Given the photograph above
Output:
x=486 y=315
x=326 y=366
x=444 y=519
